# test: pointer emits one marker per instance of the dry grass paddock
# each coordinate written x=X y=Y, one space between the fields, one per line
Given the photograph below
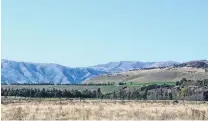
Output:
x=97 y=110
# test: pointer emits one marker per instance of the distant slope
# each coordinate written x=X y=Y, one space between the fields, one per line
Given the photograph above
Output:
x=22 y=72
x=153 y=75
x=194 y=64
x=123 y=66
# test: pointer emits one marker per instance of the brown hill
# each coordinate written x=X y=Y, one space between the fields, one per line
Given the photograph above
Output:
x=153 y=75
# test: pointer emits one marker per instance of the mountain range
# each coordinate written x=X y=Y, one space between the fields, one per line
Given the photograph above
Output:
x=27 y=72
x=30 y=73
x=24 y=72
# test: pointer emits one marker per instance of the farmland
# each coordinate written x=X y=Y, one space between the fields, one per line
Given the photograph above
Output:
x=131 y=101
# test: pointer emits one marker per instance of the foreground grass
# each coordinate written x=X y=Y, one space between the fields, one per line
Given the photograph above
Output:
x=97 y=110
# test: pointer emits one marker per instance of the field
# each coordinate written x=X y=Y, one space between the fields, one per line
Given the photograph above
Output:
x=107 y=109
x=26 y=108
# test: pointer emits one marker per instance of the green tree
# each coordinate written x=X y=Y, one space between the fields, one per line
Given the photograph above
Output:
x=183 y=81
x=177 y=83
x=99 y=93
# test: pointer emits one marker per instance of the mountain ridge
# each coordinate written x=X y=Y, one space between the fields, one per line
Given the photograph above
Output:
x=129 y=65
x=26 y=72
x=29 y=72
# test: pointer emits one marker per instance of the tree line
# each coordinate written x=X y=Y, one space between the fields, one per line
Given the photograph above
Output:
x=126 y=93
x=51 y=93
x=185 y=82
x=122 y=93
x=98 y=84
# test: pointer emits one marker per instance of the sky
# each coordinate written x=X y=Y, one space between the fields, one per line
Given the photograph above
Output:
x=81 y=33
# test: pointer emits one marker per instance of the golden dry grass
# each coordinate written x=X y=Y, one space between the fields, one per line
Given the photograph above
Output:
x=96 y=110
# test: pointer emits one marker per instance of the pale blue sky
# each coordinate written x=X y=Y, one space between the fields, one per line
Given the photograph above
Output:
x=90 y=32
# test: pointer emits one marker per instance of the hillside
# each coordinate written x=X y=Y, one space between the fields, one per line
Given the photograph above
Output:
x=172 y=74
x=23 y=72
x=194 y=64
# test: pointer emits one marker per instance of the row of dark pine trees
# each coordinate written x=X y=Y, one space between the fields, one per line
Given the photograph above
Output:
x=51 y=93
x=122 y=93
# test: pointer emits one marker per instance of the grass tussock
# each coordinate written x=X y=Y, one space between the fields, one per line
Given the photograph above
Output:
x=97 y=110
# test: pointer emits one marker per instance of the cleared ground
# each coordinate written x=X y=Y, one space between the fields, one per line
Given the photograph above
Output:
x=166 y=75
x=97 y=110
